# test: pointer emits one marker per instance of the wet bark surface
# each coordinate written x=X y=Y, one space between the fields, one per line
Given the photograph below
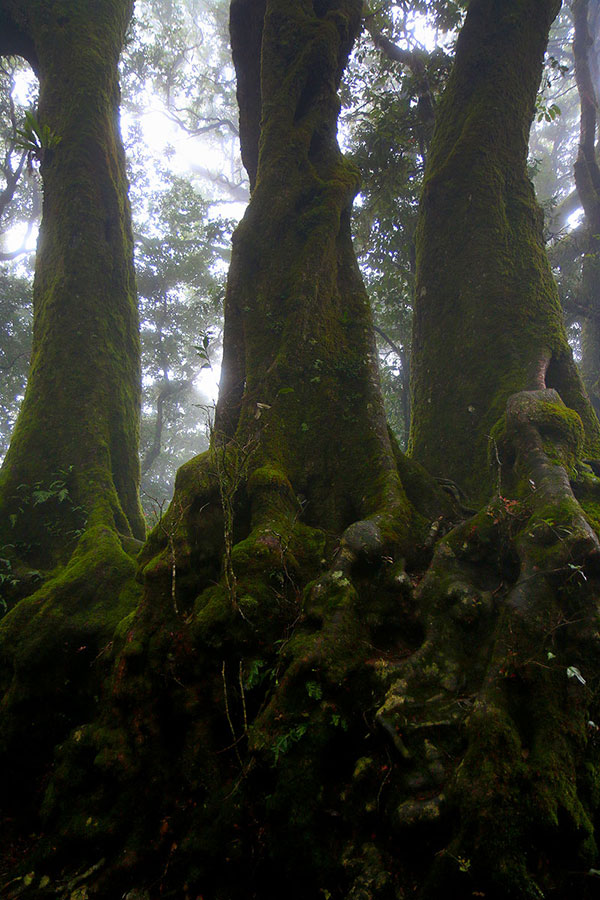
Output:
x=80 y=413
x=587 y=181
x=334 y=681
x=484 y=286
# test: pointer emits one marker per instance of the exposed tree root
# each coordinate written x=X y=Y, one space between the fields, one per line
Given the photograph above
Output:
x=325 y=721
x=489 y=719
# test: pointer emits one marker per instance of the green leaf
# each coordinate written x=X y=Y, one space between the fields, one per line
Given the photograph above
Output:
x=339 y=721
x=573 y=672
x=284 y=741
x=256 y=674
x=41 y=496
x=314 y=690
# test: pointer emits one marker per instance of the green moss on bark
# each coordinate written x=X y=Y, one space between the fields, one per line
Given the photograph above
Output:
x=81 y=408
x=311 y=397
x=290 y=699
x=52 y=649
x=278 y=569
x=69 y=506
x=484 y=286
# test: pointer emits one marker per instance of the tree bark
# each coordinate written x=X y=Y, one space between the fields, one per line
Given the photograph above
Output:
x=301 y=494
x=484 y=286
x=81 y=409
x=69 y=483
x=294 y=288
x=246 y=20
x=587 y=180
x=321 y=687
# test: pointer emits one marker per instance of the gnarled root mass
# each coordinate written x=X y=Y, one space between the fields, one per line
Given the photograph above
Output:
x=493 y=717
x=288 y=708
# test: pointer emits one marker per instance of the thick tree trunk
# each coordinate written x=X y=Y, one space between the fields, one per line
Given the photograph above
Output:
x=498 y=744
x=300 y=699
x=258 y=579
x=69 y=483
x=79 y=419
x=246 y=29
x=587 y=180
x=484 y=287
x=294 y=288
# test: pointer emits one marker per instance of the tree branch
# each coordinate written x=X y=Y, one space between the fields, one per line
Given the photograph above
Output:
x=415 y=61
x=169 y=391
x=7 y=255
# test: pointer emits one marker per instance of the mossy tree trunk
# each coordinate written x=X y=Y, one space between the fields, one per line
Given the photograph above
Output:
x=587 y=180
x=515 y=809
x=258 y=579
x=79 y=418
x=484 y=286
x=69 y=506
x=304 y=366
x=320 y=689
